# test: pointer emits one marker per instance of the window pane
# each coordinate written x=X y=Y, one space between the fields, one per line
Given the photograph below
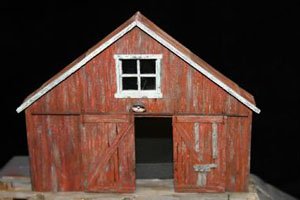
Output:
x=129 y=66
x=129 y=83
x=148 y=83
x=147 y=66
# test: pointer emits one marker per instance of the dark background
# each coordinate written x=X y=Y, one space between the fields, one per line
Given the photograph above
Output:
x=254 y=44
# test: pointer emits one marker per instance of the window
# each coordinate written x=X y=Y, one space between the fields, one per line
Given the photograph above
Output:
x=138 y=76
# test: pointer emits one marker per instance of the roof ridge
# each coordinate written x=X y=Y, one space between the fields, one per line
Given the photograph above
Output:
x=137 y=15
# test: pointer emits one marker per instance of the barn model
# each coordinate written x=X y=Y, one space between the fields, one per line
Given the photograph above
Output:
x=136 y=102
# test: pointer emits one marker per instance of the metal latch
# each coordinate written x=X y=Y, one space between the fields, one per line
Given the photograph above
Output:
x=202 y=172
x=204 y=168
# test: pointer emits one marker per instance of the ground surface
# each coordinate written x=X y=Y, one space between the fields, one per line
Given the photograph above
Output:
x=15 y=184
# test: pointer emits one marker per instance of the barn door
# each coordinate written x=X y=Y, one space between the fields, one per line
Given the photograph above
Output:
x=199 y=153
x=108 y=156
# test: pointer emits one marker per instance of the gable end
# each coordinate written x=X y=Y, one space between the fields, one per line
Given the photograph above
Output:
x=151 y=29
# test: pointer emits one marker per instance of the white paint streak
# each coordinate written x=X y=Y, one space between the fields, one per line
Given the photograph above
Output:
x=214 y=141
x=54 y=183
x=150 y=32
x=204 y=167
x=189 y=88
x=196 y=135
x=201 y=180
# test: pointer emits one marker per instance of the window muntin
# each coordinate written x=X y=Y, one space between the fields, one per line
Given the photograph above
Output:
x=138 y=76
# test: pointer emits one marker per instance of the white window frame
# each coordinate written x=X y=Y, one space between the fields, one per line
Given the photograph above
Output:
x=138 y=93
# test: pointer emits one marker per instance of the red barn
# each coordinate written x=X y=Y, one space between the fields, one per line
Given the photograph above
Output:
x=89 y=126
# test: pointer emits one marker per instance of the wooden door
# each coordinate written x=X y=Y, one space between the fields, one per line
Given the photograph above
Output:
x=199 y=153
x=108 y=156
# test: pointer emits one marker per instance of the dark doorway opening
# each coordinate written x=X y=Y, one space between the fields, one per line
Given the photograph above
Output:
x=154 y=147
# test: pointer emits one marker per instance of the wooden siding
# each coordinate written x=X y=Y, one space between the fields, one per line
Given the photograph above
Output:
x=64 y=98
x=91 y=91
x=92 y=88
x=238 y=153
x=138 y=21
x=54 y=150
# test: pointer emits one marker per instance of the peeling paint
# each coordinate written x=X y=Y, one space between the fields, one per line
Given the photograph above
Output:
x=196 y=135
x=214 y=140
x=54 y=179
x=201 y=180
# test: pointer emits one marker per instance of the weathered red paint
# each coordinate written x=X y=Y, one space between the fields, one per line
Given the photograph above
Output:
x=74 y=130
x=108 y=149
x=54 y=143
x=186 y=155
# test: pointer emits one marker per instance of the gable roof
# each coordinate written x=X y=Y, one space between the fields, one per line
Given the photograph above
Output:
x=138 y=20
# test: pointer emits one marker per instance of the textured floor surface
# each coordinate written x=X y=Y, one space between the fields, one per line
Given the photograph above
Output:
x=15 y=184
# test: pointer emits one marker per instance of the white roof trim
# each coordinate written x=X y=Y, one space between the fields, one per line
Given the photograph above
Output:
x=55 y=82
x=198 y=67
x=143 y=27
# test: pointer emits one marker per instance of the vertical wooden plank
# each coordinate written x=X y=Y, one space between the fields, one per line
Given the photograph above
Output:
x=231 y=171
x=186 y=158
x=115 y=161
x=39 y=153
x=214 y=140
x=238 y=153
x=221 y=155
x=126 y=160
x=206 y=132
x=113 y=164
x=176 y=156
x=104 y=179
x=196 y=136
x=191 y=176
x=84 y=154
x=65 y=146
x=247 y=149
x=189 y=90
